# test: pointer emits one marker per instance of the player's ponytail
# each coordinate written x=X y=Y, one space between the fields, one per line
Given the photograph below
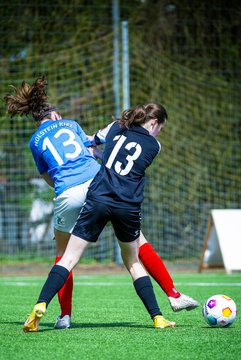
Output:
x=29 y=99
x=140 y=114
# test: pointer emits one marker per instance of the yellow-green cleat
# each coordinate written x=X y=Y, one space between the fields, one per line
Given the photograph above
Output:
x=160 y=322
x=31 y=324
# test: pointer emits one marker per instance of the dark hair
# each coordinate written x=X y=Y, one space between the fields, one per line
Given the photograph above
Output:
x=142 y=113
x=29 y=99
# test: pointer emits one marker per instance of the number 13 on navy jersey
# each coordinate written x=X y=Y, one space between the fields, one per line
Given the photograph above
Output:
x=117 y=165
x=128 y=152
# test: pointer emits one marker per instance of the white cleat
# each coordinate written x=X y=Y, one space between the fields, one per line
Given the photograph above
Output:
x=63 y=323
x=184 y=302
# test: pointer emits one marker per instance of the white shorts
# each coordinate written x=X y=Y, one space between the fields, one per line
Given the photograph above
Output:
x=68 y=205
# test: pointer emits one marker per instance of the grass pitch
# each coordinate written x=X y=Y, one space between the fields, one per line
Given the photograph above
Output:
x=110 y=322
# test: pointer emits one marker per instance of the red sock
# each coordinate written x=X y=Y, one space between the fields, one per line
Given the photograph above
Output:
x=156 y=268
x=65 y=293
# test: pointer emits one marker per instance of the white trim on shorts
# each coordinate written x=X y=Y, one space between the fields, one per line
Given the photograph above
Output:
x=68 y=205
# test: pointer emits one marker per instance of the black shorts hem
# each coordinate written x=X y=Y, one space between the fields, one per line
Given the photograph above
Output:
x=75 y=233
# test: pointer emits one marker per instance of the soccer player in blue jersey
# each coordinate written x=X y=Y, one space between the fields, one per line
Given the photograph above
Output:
x=61 y=156
x=115 y=195
x=59 y=147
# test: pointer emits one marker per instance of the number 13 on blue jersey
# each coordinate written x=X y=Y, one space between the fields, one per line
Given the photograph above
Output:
x=70 y=141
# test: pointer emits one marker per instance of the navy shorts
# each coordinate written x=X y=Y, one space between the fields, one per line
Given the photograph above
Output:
x=95 y=215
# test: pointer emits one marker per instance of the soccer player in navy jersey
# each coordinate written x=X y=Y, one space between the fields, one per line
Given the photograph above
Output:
x=59 y=150
x=115 y=195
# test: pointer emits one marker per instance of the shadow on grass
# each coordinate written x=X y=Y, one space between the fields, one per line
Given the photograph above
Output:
x=109 y=325
x=84 y=325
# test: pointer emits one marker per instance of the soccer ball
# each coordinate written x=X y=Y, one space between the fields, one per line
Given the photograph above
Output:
x=219 y=311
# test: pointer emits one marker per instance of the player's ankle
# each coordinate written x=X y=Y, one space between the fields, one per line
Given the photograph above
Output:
x=63 y=313
x=173 y=293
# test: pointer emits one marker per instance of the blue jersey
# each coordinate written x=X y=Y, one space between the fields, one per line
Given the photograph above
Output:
x=128 y=152
x=60 y=149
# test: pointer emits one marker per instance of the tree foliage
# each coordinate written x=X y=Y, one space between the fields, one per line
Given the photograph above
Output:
x=207 y=32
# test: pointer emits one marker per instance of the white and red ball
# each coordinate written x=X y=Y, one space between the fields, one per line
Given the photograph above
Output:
x=219 y=311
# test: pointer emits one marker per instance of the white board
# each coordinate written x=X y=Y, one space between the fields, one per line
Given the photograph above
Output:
x=222 y=246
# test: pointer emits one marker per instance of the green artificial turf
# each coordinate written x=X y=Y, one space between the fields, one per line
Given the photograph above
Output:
x=110 y=322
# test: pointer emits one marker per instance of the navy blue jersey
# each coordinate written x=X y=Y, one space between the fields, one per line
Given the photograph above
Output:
x=128 y=152
x=59 y=149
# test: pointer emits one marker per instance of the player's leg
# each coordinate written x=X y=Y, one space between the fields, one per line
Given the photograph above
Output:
x=63 y=321
x=67 y=207
x=142 y=283
x=126 y=224
x=158 y=271
x=89 y=225
x=155 y=267
x=56 y=279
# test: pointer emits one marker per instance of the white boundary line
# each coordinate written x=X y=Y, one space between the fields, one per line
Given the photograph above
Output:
x=85 y=283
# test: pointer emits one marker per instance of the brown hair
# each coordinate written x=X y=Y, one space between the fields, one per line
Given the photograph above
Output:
x=142 y=113
x=29 y=99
